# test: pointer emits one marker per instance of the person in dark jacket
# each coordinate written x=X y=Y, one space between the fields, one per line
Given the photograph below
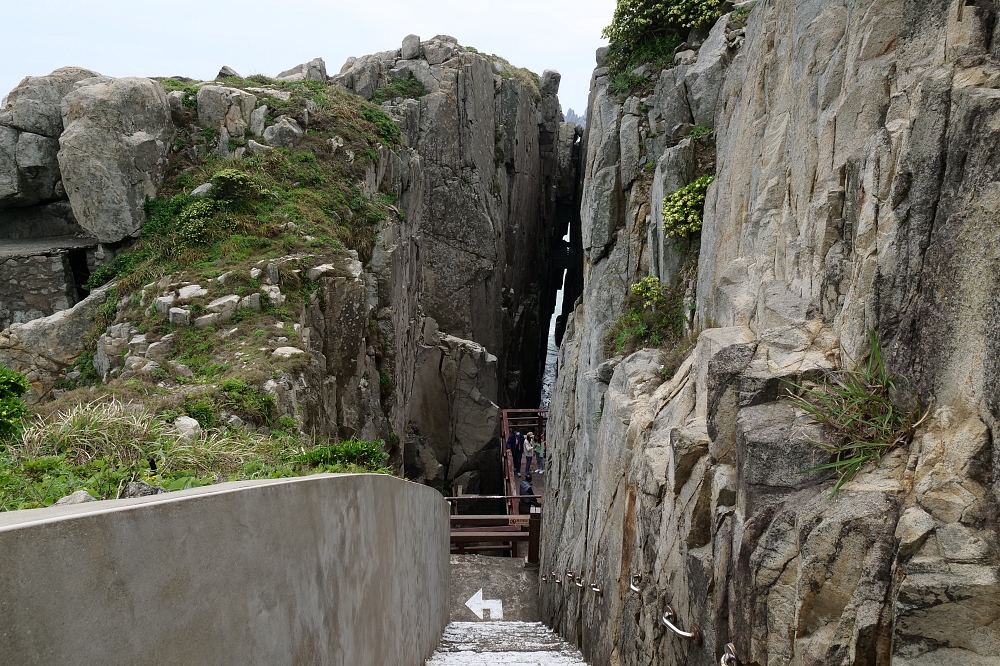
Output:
x=516 y=445
x=526 y=489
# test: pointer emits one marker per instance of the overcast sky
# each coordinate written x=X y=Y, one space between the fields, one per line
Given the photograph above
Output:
x=195 y=37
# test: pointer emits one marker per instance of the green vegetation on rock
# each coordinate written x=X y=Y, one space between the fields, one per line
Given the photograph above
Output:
x=654 y=316
x=408 y=88
x=266 y=219
x=683 y=209
x=857 y=408
x=648 y=31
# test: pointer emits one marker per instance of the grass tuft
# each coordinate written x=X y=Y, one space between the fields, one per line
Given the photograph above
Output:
x=101 y=447
x=857 y=407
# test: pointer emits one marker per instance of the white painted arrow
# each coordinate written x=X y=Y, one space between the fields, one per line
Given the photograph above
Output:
x=477 y=605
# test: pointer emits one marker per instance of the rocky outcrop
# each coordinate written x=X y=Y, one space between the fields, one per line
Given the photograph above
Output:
x=454 y=410
x=853 y=172
x=230 y=108
x=112 y=154
x=43 y=348
x=30 y=125
x=498 y=193
x=487 y=184
x=314 y=70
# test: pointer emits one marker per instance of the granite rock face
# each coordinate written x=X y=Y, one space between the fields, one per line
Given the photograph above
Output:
x=498 y=193
x=30 y=124
x=454 y=403
x=232 y=108
x=854 y=179
x=43 y=348
x=113 y=152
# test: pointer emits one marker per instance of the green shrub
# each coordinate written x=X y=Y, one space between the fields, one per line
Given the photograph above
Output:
x=195 y=222
x=643 y=30
x=248 y=402
x=354 y=451
x=13 y=385
x=699 y=131
x=388 y=130
x=857 y=408
x=654 y=316
x=236 y=188
x=683 y=209
x=408 y=88
x=201 y=410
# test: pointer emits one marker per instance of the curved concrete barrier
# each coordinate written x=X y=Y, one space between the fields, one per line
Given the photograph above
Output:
x=346 y=570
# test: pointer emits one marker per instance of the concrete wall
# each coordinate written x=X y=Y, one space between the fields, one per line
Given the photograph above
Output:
x=345 y=570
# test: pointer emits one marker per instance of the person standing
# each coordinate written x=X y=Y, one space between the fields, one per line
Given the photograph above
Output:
x=540 y=455
x=529 y=451
x=516 y=445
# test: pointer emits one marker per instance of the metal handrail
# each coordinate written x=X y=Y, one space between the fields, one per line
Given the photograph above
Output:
x=670 y=616
x=633 y=583
x=729 y=657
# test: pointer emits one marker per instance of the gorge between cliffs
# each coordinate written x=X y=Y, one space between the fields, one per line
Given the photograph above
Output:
x=799 y=194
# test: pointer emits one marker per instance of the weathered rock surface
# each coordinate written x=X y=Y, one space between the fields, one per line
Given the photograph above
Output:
x=35 y=105
x=232 y=108
x=43 y=348
x=314 y=70
x=113 y=152
x=453 y=398
x=839 y=206
x=30 y=124
x=285 y=133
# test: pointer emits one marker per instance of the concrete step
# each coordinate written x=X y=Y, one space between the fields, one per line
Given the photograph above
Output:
x=505 y=644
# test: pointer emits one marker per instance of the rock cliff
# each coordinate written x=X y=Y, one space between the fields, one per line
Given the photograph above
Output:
x=432 y=318
x=854 y=168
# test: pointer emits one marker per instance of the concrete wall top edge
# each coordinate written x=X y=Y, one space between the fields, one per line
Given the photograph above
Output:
x=13 y=520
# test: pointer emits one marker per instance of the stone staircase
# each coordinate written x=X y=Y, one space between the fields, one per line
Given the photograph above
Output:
x=503 y=644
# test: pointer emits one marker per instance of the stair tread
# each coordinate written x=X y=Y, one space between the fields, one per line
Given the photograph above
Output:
x=503 y=643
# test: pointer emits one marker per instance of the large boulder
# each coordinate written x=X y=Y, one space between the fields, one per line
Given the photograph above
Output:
x=219 y=106
x=35 y=105
x=30 y=124
x=285 y=133
x=113 y=152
